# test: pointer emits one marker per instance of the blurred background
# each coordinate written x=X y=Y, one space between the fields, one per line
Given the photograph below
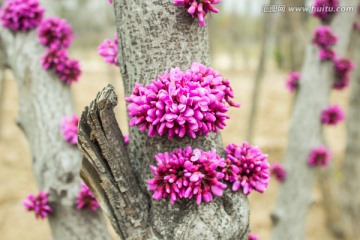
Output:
x=247 y=46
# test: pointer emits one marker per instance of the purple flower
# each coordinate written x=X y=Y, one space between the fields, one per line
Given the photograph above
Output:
x=319 y=157
x=187 y=174
x=332 y=115
x=53 y=58
x=278 y=171
x=327 y=54
x=68 y=71
x=126 y=139
x=342 y=68
x=39 y=204
x=55 y=33
x=199 y=8
x=86 y=199
x=325 y=9
x=253 y=237
x=182 y=103
x=324 y=37
x=108 y=49
x=292 y=82
x=69 y=128
x=21 y=15
x=110 y=1
x=251 y=168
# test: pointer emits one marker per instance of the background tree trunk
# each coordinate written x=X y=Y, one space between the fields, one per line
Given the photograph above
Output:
x=44 y=100
x=351 y=172
x=153 y=37
x=305 y=133
x=267 y=35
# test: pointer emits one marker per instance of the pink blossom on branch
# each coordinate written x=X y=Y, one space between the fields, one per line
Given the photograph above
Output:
x=327 y=54
x=86 y=199
x=68 y=71
x=187 y=173
x=57 y=60
x=292 y=82
x=251 y=168
x=180 y=103
x=55 y=33
x=332 y=115
x=319 y=157
x=53 y=58
x=108 y=49
x=324 y=37
x=325 y=9
x=278 y=171
x=342 y=68
x=199 y=8
x=69 y=128
x=21 y=15
x=39 y=204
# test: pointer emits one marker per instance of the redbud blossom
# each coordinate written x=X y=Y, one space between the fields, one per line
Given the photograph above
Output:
x=39 y=204
x=21 y=15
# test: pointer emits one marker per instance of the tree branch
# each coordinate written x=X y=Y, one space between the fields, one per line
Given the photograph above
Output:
x=107 y=170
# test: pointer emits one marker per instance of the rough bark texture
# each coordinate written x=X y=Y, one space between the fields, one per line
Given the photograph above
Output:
x=153 y=37
x=44 y=100
x=351 y=171
x=265 y=47
x=305 y=133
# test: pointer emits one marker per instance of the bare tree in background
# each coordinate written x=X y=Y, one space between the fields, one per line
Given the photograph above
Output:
x=267 y=34
x=305 y=133
x=341 y=197
x=153 y=37
x=291 y=35
x=44 y=100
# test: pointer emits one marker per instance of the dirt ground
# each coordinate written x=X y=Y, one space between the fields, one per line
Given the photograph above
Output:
x=17 y=180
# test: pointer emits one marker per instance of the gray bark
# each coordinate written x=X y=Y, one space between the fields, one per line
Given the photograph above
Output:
x=305 y=133
x=153 y=37
x=351 y=172
x=44 y=100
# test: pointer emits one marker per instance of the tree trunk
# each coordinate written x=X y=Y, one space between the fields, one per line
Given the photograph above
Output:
x=44 y=100
x=351 y=173
x=265 y=47
x=305 y=133
x=153 y=37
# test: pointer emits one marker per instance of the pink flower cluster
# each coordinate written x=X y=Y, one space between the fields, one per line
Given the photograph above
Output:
x=278 y=171
x=247 y=167
x=187 y=174
x=325 y=39
x=292 y=82
x=182 y=103
x=69 y=128
x=342 y=68
x=39 y=204
x=253 y=237
x=199 y=8
x=319 y=157
x=108 y=49
x=86 y=199
x=325 y=9
x=21 y=15
x=332 y=115
x=55 y=33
